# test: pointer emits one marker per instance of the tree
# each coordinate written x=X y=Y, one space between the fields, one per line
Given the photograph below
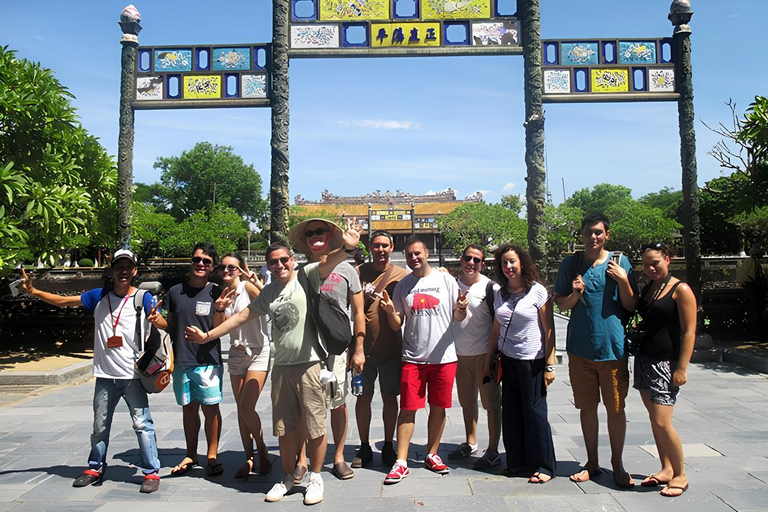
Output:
x=211 y=174
x=634 y=224
x=599 y=199
x=150 y=230
x=562 y=225
x=484 y=224
x=153 y=195
x=720 y=202
x=514 y=202
x=667 y=200
x=58 y=184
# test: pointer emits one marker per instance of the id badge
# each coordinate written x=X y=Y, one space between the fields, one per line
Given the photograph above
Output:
x=115 y=342
x=203 y=308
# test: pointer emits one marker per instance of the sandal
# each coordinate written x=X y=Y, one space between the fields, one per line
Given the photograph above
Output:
x=245 y=471
x=184 y=466
x=653 y=481
x=214 y=470
x=539 y=477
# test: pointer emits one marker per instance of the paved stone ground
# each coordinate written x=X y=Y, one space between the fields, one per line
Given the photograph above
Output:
x=722 y=417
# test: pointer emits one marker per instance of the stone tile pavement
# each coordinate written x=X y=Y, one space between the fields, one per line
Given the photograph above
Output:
x=722 y=417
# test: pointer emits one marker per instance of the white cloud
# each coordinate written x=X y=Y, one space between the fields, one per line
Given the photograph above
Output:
x=484 y=192
x=508 y=187
x=386 y=124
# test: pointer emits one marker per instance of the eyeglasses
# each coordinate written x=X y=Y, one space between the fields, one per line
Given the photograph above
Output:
x=318 y=232
x=279 y=261
x=469 y=258
x=205 y=261
x=228 y=268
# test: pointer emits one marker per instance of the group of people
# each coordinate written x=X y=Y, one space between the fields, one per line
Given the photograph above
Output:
x=415 y=333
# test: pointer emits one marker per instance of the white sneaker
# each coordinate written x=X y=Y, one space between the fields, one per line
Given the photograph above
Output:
x=279 y=490
x=315 y=488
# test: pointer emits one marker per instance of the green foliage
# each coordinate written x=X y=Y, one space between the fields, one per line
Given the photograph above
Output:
x=600 y=199
x=634 y=223
x=562 y=225
x=514 y=202
x=667 y=200
x=158 y=234
x=85 y=262
x=754 y=225
x=206 y=175
x=720 y=200
x=57 y=184
x=153 y=195
x=486 y=224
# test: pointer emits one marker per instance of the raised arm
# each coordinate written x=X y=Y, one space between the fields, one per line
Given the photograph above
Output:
x=351 y=238
x=60 y=301
x=195 y=335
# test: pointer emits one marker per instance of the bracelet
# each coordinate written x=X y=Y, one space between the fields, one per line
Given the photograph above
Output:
x=220 y=310
x=350 y=251
x=550 y=368
x=207 y=335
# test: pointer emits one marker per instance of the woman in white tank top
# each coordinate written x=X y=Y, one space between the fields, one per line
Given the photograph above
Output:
x=248 y=360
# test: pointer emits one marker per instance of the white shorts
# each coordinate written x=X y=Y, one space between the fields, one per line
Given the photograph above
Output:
x=240 y=362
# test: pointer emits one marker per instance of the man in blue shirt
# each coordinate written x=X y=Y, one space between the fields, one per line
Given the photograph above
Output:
x=601 y=292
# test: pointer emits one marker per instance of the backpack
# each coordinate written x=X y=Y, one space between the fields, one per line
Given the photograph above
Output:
x=489 y=299
x=330 y=319
x=155 y=363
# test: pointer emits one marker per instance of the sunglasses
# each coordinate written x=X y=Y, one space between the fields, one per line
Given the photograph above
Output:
x=279 y=261
x=469 y=258
x=205 y=261
x=318 y=232
x=228 y=268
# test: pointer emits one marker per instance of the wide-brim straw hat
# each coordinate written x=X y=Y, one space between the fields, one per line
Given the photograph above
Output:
x=299 y=243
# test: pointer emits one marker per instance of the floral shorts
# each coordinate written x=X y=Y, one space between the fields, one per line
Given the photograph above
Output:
x=656 y=377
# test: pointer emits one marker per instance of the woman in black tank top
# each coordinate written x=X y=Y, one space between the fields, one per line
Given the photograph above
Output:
x=668 y=307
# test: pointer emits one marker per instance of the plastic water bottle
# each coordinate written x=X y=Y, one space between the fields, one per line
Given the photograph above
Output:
x=357 y=383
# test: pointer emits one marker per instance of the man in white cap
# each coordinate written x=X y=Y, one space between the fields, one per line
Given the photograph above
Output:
x=316 y=238
x=115 y=351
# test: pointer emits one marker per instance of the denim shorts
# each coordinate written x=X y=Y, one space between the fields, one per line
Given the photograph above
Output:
x=201 y=384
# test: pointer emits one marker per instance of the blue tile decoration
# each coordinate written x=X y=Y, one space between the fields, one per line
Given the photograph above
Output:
x=173 y=60
x=579 y=54
x=637 y=52
x=228 y=59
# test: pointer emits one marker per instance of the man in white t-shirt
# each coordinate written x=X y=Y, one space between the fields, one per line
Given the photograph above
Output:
x=425 y=303
x=115 y=352
x=473 y=327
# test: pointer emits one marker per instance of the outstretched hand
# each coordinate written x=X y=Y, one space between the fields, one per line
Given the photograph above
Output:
x=194 y=335
x=351 y=236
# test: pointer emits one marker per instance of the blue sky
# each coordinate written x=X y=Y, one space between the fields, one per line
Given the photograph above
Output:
x=415 y=124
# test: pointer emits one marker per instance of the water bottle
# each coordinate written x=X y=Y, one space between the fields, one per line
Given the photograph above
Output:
x=357 y=383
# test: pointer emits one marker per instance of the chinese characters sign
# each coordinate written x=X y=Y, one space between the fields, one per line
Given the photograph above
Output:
x=324 y=27
x=169 y=77
x=580 y=70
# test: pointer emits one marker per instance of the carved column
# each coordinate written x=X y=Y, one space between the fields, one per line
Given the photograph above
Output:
x=278 y=197
x=129 y=23
x=680 y=14
x=535 y=191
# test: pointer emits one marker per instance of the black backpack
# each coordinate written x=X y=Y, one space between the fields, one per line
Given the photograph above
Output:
x=489 y=299
x=330 y=319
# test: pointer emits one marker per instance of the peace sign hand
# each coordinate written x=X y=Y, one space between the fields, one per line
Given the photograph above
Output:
x=351 y=236
x=26 y=284
x=226 y=299
x=385 y=302
x=462 y=300
x=153 y=317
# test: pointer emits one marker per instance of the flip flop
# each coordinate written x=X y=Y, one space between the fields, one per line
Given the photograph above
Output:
x=214 y=470
x=652 y=481
x=536 y=478
x=183 y=467
x=676 y=487
x=585 y=475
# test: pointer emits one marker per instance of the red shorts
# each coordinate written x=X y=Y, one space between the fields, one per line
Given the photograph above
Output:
x=414 y=381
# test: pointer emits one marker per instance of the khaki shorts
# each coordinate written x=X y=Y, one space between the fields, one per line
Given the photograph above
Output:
x=296 y=390
x=591 y=379
x=388 y=371
x=469 y=379
x=338 y=391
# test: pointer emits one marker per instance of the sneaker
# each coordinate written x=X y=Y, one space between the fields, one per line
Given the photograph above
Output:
x=88 y=477
x=315 y=488
x=397 y=473
x=435 y=463
x=363 y=457
x=463 y=451
x=300 y=476
x=279 y=490
x=151 y=483
x=388 y=455
x=489 y=459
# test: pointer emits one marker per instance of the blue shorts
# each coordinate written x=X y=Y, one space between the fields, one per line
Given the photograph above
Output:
x=201 y=384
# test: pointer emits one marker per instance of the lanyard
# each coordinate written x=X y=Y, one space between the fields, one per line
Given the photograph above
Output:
x=116 y=321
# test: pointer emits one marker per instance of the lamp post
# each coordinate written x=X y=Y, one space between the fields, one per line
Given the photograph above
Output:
x=129 y=23
x=680 y=14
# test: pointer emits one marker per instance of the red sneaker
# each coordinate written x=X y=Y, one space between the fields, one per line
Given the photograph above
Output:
x=397 y=473
x=435 y=463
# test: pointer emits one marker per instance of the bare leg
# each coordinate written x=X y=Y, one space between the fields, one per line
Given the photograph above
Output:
x=470 y=421
x=339 y=420
x=212 y=416
x=617 y=433
x=237 y=382
x=590 y=429
x=317 y=450
x=363 y=416
x=191 y=420
x=405 y=423
x=435 y=426
x=250 y=391
x=668 y=442
x=389 y=414
x=289 y=450
x=494 y=429
x=303 y=434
